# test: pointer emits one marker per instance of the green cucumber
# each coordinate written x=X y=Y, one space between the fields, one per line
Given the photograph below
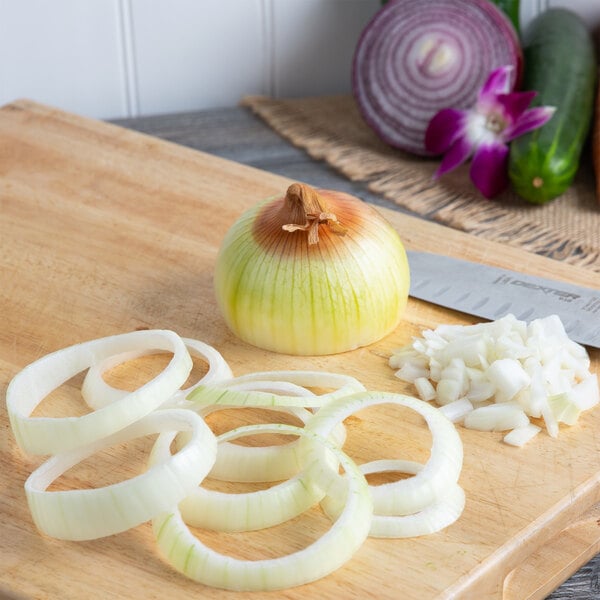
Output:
x=511 y=8
x=560 y=64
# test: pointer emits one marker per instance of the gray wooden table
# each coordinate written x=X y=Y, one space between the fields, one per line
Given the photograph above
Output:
x=236 y=134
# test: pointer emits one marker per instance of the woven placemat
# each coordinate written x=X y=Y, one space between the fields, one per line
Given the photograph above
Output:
x=330 y=128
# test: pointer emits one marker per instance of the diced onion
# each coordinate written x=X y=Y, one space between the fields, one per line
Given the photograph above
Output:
x=49 y=435
x=521 y=435
x=508 y=377
x=532 y=366
x=425 y=390
x=203 y=564
x=92 y=513
x=586 y=394
x=496 y=417
x=457 y=410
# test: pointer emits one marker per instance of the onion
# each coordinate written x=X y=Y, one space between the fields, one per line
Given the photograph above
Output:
x=229 y=393
x=310 y=466
x=93 y=513
x=438 y=515
x=416 y=58
x=531 y=370
x=441 y=470
x=97 y=393
x=311 y=273
x=49 y=435
x=457 y=410
x=250 y=511
x=496 y=417
x=203 y=564
x=521 y=435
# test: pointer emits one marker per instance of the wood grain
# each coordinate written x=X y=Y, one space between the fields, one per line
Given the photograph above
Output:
x=104 y=230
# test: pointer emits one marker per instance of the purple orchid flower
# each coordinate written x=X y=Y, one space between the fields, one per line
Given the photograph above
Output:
x=484 y=132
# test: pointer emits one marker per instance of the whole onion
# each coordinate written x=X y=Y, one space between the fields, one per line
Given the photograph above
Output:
x=415 y=58
x=311 y=273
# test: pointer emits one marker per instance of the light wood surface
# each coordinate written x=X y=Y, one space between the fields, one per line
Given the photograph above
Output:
x=102 y=231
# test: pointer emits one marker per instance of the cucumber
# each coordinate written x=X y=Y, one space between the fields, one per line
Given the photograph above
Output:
x=512 y=9
x=560 y=65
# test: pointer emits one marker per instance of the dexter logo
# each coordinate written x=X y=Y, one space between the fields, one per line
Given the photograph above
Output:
x=565 y=296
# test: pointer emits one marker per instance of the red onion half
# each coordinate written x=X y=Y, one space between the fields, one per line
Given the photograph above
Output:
x=415 y=58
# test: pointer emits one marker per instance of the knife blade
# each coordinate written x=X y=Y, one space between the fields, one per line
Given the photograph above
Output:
x=492 y=292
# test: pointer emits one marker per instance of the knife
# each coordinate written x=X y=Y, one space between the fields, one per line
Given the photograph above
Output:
x=491 y=292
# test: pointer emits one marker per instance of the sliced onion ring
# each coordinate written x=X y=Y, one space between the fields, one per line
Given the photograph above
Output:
x=260 y=463
x=264 y=463
x=435 y=517
x=98 y=394
x=443 y=468
x=50 y=435
x=223 y=394
x=221 y=511
x=92 y=513
x=190 y=556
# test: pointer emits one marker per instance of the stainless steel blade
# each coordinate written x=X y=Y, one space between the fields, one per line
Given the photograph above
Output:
x=492 y=292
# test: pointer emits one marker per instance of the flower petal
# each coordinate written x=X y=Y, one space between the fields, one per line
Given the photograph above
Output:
x=530 y=120
x=515 y=104
x=489 y=169
x=459 y=152
x=498 y=82
x=444 y=129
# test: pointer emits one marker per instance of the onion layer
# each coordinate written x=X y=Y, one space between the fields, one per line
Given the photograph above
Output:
x=98 y=394
x=201 y=563
x=229 y=393
x=311 y=465
x=438 y=515
x=416 y=58
x=441 y=470
x=49 y=435
x=92 y=513
x=250 y=511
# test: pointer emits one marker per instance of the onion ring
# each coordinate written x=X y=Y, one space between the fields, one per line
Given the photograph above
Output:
x=92 y=513
x=264 y=463
x=50 y=435
x=191 y=557
x=250 y=511
x=98 y=394
x=437 y=516
x=222 y=394
x=443 y=468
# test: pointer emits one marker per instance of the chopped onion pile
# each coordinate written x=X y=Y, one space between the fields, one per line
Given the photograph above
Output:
x=497 y=376
x=309 y=472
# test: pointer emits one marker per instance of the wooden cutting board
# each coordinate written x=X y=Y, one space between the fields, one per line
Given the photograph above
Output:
x=104 y=231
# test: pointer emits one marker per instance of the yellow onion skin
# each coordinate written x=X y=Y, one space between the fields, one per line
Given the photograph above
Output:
x=280 y=293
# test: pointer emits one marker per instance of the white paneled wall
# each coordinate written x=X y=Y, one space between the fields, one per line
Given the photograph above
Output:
x=196 y=54
x=122 y=58
x=67 y=52
x=313 y=43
